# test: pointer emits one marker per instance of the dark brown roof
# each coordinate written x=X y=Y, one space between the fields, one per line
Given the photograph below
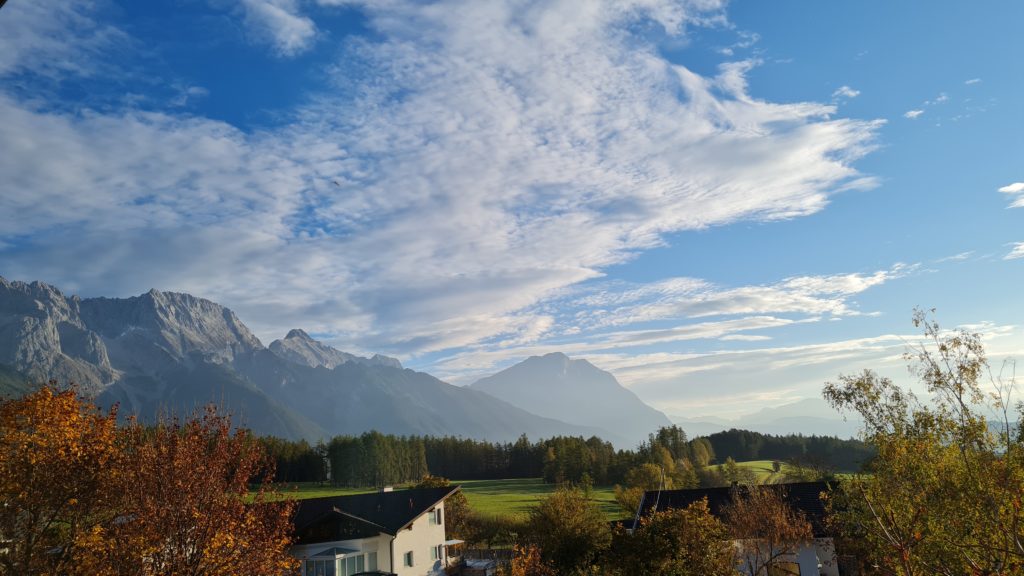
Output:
x=386 y=512
x=802 y=496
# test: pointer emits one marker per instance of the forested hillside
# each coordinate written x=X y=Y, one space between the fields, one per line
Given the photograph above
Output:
x=375 y=459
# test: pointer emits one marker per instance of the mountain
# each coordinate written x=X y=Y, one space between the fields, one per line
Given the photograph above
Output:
x=300 y=348
x=810 y=417
x=166 y=352
x=578 y=392
x=357 y=396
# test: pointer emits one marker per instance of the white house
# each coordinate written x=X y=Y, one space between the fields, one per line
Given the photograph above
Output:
x=815 y=558
x=389 y=532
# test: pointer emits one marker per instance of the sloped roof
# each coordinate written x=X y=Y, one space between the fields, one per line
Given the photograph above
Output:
x=387 y=511
x=802 y=496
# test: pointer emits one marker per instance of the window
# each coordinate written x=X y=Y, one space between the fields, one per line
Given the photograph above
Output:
x=437 y=552
x=344 y=566
x=408 y=558
x=371 y=561
x=435 y=517
x=320 y=568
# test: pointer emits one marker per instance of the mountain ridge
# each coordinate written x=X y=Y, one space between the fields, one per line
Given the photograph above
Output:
x=170 y=351
x=579 y=392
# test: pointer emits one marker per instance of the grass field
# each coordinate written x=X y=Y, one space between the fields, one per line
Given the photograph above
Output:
x=520 y=495
x=764 y=471
x=491 y=497
x=517 y=496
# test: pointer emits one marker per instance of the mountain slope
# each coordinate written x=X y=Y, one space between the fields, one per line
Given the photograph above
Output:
x=577 y=392
x=810 y=416
x=354 y=397
x=166 y=352
x=300 y=348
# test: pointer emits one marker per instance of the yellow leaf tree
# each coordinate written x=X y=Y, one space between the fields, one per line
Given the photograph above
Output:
x=185 y=506
x=56 y=466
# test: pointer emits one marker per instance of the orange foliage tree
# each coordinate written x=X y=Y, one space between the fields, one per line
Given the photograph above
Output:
x=185 y=505
x=56 y=467
x=78 y=495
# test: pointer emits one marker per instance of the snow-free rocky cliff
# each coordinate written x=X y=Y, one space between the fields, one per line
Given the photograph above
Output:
x=171 y=352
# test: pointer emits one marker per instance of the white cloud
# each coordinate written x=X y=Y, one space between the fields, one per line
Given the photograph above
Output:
x=845 y=92
x=692 y=298
x=1015 y=188
x=972 y=81
x=54 y=38
x=280 y=23
x=1016 y=252
x=956 y=257
x=683 y=304
x=912 y=114
x=494 y=156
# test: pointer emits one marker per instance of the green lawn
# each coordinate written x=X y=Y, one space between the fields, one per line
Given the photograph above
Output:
x=764 y=471
x=513 y=496
x=520 y=495
x=517 y=496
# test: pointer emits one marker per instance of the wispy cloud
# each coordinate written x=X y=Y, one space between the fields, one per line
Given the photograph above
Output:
x=912 y=114
x=1017 y=188
x=956 y=257
x=1016 y=252
x=692 y=298
x=480 y=161
x=845 y=92
x=279 y=23
x=972 y=81
x=54 y=38
x=678 y=310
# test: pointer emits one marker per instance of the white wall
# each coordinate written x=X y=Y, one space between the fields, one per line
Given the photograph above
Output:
x=420 y=539
x=379 y=544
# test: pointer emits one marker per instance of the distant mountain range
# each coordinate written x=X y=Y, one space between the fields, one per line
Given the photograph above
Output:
x=165 y=351
x=577 y=392
x=810 y=417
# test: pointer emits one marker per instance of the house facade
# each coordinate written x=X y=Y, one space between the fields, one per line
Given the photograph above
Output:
x=814 y=558
x=390 y=532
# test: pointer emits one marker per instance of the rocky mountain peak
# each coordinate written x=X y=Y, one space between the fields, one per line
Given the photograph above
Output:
x=298 y=334
x=299 y=347
x=574 y=390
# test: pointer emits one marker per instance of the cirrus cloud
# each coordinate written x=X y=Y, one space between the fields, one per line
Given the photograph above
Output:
x=475 y=162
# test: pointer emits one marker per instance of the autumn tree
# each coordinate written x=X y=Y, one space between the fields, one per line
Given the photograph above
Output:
x=56 y=455
x=767 y=531
x=570 y=531
x=675 y=542
x=943 y=495
x=184 y=505
x=456 y=507
x=527 y=561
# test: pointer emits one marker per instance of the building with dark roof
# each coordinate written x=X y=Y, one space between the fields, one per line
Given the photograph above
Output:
x=817 y=557
x=388 y=532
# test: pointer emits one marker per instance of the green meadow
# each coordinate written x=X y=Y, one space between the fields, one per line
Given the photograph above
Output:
x=517 y=496
x=513 y=496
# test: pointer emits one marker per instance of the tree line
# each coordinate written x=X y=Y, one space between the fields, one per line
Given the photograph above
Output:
x=376 y=459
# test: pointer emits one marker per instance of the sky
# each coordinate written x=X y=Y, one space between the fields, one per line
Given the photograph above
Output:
x=724 y=204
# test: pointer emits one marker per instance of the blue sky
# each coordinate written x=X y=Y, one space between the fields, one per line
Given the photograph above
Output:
x=724 y=204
